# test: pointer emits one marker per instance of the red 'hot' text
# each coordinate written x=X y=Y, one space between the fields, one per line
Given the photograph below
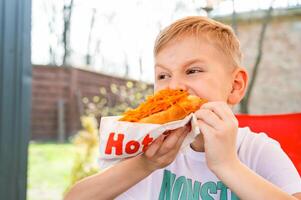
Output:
x=131 y=146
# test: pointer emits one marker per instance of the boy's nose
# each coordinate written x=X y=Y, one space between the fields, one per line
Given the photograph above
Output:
x=177 y=84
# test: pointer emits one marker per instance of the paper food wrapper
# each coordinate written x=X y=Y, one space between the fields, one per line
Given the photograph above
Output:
x=120 y=140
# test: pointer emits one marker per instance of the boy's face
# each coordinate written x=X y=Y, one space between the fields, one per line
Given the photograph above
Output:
x=195 y=65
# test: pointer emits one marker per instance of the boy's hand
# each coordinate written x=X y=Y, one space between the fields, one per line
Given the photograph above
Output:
x=164 y=149
x=219 y=127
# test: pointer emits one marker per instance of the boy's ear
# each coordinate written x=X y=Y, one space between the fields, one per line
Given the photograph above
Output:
x=239 y=85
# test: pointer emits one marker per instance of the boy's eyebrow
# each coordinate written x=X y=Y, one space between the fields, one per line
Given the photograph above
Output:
x=161 y=66
x=186 y=63
x=189 y=62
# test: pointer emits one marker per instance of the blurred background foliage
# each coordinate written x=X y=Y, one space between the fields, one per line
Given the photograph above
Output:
x=125 y=96
x=86 y=140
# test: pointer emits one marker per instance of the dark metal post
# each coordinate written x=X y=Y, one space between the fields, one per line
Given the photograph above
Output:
x=15 y=96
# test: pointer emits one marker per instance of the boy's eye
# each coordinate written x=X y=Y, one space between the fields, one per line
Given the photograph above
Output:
x=193 y=70
x=162 y=76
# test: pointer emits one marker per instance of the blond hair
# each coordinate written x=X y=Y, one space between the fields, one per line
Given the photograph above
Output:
x=221 y=35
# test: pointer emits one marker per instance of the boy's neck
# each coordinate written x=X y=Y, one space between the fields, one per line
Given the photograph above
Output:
x=198 y=143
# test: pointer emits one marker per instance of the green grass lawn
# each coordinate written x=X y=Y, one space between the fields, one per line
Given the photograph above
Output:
x=49 y=169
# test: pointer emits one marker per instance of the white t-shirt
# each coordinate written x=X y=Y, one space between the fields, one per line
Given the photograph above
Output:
x=188 y=177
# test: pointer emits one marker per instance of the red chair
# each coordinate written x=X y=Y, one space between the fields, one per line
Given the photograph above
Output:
x=285 y=128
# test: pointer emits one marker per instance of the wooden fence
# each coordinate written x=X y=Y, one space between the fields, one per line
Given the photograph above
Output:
x=52 y=86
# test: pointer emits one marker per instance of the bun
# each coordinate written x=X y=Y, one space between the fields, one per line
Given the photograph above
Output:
x=164 y=106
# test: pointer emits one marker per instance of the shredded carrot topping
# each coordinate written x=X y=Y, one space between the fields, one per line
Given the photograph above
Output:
x=158 y=102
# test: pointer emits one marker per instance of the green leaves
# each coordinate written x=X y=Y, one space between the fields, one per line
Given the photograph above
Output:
x=117 y=100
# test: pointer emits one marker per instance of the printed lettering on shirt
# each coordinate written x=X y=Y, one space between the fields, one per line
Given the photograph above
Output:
x=182 y=188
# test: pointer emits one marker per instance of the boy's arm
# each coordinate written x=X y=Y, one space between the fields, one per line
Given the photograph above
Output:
x=111 y=182
x=115 y=180
x=219 y=127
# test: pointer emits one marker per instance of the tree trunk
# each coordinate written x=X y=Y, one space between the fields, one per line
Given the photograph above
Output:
x=126 y=65
x=140 y=66
x=244 y=105
x=67 y=12
x=88 y=56
x=50 y=10
x=234 y=18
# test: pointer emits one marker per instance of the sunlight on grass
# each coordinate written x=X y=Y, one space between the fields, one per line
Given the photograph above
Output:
x=49 y=169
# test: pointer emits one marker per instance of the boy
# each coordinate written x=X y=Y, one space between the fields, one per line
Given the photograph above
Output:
x=224 y=162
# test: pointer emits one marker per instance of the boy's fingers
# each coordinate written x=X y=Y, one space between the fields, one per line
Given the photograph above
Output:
x=209 y=116
x=180 y=141
x=222 y=110
x=170 y=155
x=205 y=129
x=172 y=139
x=155 y=146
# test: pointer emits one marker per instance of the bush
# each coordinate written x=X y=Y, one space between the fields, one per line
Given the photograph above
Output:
x=86 y=142
x=115 y=102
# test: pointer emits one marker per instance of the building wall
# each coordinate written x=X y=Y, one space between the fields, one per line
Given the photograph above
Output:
x=278 y=85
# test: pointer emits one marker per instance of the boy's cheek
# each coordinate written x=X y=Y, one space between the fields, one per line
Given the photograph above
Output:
x=159 y=86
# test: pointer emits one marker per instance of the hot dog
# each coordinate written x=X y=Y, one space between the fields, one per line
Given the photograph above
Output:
x=164 y=106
